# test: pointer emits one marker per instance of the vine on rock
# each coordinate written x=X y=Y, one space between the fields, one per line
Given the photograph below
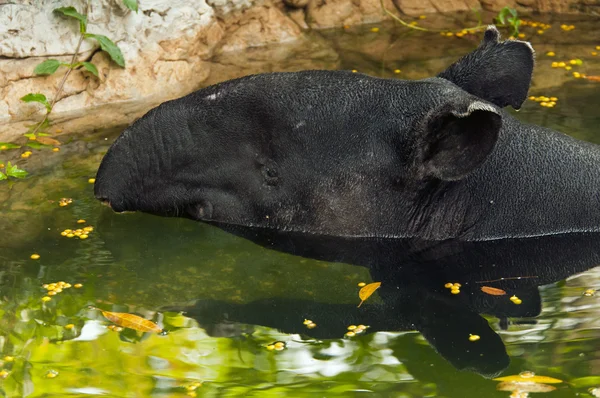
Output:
x=38 y=134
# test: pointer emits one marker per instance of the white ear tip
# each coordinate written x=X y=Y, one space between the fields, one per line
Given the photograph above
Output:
x=480 y=106
x=476 y=106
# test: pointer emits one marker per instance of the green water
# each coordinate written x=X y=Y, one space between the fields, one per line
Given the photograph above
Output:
x=154 y=267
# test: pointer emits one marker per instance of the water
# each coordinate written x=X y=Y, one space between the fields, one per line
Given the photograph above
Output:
x=239 y=297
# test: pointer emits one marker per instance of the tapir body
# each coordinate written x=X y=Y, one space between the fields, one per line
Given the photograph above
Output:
x=344 y=154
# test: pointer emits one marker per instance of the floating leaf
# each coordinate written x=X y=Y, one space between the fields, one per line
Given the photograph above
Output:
x=8 y=145
x=72 y=12
x=524 y=387
x=48 y=141
x=111 y=48
x=367 y=291
x=493 y=291
x=529 y=379
x=589 y=381
x=37 y=145
x=131 y=4
x=131 y=321
x=14 y=171
x=90 y=67
x=47 y=67
x=593 y=78
x=37 y=97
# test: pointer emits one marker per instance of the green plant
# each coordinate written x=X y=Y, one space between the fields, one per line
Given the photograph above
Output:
x=11 y=170
x=509 y=17
x=50 y=66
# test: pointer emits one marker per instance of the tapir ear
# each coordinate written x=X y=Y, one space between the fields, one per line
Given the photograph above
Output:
x=457 y=139
x=498 y=72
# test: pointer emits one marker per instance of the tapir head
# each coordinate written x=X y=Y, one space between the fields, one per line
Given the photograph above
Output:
x=338 y=153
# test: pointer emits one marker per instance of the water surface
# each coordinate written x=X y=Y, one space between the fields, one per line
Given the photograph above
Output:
x=240 y=296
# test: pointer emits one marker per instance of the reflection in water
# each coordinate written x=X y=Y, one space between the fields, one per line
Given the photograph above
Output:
x=413 y=296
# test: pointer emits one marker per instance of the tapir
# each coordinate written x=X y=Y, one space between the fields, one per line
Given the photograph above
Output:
x=344 y=154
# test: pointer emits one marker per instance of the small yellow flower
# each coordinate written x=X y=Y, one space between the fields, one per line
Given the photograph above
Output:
x=45 y=299
x=92 y=180
x=35 y=256
x=473 y=337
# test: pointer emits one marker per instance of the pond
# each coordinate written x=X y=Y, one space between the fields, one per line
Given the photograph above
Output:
x=251 y=313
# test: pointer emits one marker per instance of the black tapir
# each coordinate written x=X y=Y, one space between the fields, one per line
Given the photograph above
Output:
x=345 y=154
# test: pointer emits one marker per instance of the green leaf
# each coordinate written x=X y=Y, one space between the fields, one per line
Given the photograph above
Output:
x=37 y=145
x=37 y=97
x=14 y=171
x=90 y=67
x=3 y=176
x=111 y=48
x=589 y=381
x=72 y=12
x=8 y=145
x=43 y=134
x=502 y=15
x=131 y=4
x=47 y=67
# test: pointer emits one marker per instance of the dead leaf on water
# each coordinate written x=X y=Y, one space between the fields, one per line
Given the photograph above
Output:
x=367 y=291
x=494 y=291
x=48 y=141
x=131 y=321
x=593 y=78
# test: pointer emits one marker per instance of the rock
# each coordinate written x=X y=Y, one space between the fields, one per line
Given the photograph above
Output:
x=166 y=49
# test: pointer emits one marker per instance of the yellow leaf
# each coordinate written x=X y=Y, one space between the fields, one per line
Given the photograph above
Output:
x=529 y=379
x=367 y=291
x=493 y=291
x=131 y=321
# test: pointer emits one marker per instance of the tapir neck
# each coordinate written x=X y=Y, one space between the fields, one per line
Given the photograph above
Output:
x=536 y=182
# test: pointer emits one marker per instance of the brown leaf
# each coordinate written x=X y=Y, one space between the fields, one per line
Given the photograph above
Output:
x=132 y=321
x=593 y=78
x=494 y=291
x=48 y=141
x=367 y=291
